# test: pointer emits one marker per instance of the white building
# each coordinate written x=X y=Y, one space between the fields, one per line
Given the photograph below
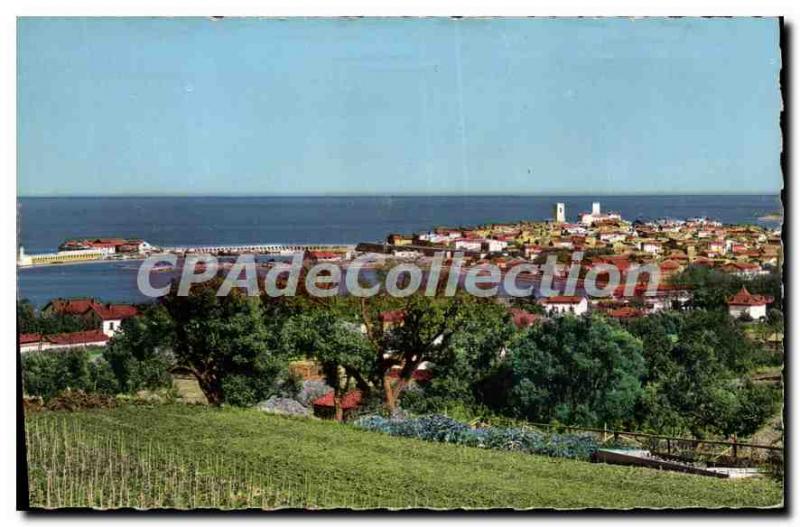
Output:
x=597 y=215
x=558 y=305
x=651 y=246
x=62 y=341
x=467 y=244
x=406 y=254
x=755 y=306
x=613 y=237
x=495 y=246
x=82 y=255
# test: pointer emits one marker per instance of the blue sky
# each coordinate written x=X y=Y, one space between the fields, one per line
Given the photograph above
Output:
x=397 y=106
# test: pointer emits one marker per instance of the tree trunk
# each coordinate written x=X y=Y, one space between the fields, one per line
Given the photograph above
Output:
x=212 y=392
x=338 y=413
x=211 y=388
x=391 y=402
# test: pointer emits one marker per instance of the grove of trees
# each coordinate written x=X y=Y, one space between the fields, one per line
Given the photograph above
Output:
x=676 y=372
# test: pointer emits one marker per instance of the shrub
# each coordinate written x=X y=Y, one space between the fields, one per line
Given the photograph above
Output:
x=443 y=429
x=238 y=390
x=71 y=400
x=46 y=373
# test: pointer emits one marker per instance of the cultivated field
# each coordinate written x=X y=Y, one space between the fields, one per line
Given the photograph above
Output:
x=178 y=456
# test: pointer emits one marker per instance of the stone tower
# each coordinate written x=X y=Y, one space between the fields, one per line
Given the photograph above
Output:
x=559 y=213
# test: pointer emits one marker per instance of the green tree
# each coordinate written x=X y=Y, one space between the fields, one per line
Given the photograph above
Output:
x=471 y=370
x=141 y=354
x=27 y=322
x=46 y=373
x=215 y=337
x=694 y=362
x=711 y=287
x=339 y=346
x=424 y=335
x=582 y=370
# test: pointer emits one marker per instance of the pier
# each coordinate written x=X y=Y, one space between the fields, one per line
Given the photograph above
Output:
x=84 y=256
x=267 y=248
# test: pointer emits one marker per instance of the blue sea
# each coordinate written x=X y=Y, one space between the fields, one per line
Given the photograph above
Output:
x=168 y=221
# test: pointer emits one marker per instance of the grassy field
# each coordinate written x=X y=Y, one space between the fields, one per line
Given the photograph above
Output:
x=182 y=456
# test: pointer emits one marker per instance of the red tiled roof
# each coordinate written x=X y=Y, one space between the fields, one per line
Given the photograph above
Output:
x=78 y=337
x=351 y=399
x=522 y=318
x=74 y=306
x=29 y=338
x=323 y=254
x=744 y=298
x=703 y=261
x=621 y=262
x=80 y=306
x=563 y=300
x=115 y=311
x=640 y=289
x=398 y=315
x=625 y=312
x=743 y=266
x=669 y=265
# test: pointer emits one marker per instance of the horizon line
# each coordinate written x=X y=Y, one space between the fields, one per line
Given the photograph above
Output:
x=404 y=195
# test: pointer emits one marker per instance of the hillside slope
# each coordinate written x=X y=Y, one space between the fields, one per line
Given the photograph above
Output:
x=179 y=456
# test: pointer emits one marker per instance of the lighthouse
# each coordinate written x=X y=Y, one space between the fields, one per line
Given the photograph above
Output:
x=22 y=259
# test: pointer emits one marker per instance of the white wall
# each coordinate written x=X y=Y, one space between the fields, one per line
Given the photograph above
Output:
x=577 y=309
x=755 y=312
x=110 y=327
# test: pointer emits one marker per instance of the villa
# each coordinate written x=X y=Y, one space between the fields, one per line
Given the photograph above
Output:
x=745 y=303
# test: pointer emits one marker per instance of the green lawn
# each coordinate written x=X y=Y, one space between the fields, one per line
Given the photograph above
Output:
x=182 y=456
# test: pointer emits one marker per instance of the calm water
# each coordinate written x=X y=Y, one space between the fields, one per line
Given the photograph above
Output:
x=45 y=222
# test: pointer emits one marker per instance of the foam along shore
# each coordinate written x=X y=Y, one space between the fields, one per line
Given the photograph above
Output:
x=772 y=216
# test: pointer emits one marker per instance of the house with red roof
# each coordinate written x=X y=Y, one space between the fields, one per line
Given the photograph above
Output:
x=112 y=315
x=69 y=306
x=322 y=256
x=108 y=317
x=744 y=302
x=350 y=402
x=557 y=305
x=532 y=250
x=743 y=269
x=107 y=246
x=60 y=341
x=670 y=268
x=77 y=339
x=29 y=341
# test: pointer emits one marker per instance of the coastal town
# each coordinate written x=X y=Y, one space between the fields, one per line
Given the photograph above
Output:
x=743 y=251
